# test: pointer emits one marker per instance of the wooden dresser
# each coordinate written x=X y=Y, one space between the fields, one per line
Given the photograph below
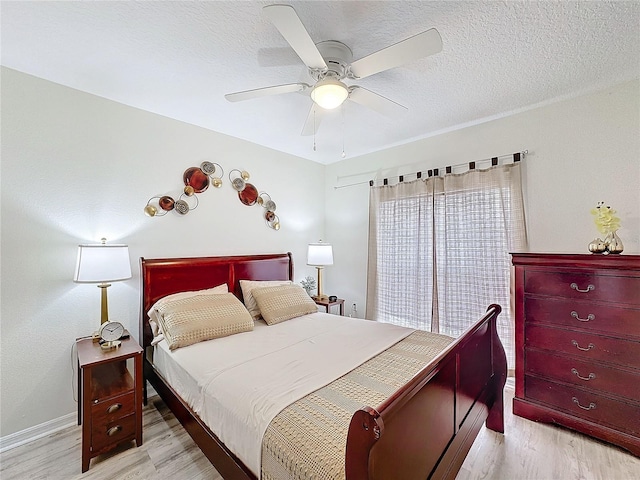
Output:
x=578 y=343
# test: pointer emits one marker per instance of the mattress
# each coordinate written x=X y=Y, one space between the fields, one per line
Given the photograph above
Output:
x=238 y=384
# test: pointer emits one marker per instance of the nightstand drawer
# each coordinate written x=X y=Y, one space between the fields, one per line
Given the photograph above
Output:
x=590 y=406
x=112 y=409
x=584 y=286
x=584 y=315
x=113 y=432
x=591 y=375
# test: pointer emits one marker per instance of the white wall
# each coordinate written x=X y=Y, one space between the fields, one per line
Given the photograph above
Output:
x=76 y=167
x=580 y=151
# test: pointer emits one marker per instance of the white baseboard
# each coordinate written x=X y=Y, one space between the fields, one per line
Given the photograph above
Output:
x=30 y=434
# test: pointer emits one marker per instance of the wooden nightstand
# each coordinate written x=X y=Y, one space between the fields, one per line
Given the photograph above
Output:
x=109 y=397
x=327 y=304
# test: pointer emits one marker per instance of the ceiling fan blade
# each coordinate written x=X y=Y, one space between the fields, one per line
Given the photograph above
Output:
x=266 y=91
x=286 y=20
x=376 y=102
x=313 y=120
x=419 y=46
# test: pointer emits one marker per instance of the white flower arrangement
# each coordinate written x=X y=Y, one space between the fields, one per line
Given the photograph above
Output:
x=309 y=284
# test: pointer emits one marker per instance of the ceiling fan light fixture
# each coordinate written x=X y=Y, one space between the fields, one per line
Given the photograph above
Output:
x=329 y=93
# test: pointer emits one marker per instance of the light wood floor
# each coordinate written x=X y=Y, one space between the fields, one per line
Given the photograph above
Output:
x=527 y=451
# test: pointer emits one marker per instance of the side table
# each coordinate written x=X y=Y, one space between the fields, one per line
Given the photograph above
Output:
x=327 y=304
x=109 y=397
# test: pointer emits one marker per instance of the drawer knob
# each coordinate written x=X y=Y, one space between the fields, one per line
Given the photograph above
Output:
x=577 y=345
x=577 y=374
x=591 y=406
x=590 y=317
x=113 y=430
x=114 y=408
x=577 y=289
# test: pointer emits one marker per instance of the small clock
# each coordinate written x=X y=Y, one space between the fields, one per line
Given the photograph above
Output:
x=110 y=333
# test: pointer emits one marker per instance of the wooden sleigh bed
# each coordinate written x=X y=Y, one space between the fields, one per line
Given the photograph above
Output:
x=424 y=430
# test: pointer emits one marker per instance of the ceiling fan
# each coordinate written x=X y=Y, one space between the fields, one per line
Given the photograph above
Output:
x=330 y=62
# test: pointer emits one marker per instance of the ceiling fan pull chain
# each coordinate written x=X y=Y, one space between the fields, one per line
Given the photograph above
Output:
x=343 y=154
x=314 y=128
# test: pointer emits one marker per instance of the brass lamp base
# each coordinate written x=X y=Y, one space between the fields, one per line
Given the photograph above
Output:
x=110 y=345
x=320 y=296
x=104 y=309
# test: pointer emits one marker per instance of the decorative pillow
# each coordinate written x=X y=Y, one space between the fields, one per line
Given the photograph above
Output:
x=153 y=311
x=202 y=317
x=281 y=303
x=248 y=286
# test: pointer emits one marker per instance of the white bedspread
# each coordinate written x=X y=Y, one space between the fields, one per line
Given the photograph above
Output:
x=238 y=384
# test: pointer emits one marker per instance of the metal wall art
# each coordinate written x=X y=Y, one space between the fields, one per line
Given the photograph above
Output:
x=248 y=195
x=197 y=180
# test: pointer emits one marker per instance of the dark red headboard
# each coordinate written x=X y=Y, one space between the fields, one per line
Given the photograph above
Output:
x=160 y=277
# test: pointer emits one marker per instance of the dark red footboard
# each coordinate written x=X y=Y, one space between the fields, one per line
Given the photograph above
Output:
x=427 y=427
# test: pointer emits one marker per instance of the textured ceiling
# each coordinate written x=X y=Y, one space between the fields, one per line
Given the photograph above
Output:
x=178 y=59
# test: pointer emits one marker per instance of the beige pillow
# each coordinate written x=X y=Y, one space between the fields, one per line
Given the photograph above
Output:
x=248 y=286
x=186 y=321
x=153 y=311
x=281 y=303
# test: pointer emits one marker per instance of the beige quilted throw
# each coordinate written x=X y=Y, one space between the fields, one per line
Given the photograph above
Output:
x=307 y=440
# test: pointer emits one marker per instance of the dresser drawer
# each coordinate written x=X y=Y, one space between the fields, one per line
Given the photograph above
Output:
x=112 y=409
x=585 y=404
x=594 y=376
x=114 y=432
x=583 y=286
x=583 y=345
x=589 y=316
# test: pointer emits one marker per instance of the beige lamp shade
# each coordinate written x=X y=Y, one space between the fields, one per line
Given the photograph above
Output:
x=102 y=263
x=320 y=254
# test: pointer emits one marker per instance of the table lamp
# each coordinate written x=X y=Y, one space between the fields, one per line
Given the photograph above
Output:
x=102 y=263
x=318 y=255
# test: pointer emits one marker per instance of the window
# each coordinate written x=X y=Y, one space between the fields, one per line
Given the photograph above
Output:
x=439 y=250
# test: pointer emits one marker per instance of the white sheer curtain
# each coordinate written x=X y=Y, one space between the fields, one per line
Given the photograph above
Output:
x=439 y=250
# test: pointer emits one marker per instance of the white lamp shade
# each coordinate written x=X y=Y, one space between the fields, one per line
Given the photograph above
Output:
x=320 y=254
x=102 y=263
x=329 y=93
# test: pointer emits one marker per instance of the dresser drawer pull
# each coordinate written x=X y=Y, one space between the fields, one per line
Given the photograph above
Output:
x=591 y=406
x=114 y=408
x=590 y=317
x=113 y=430
x=577 y=374
x=589 y=347
x=576 y=288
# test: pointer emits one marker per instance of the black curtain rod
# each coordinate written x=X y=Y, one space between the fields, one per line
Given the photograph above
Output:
x=435 y=172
